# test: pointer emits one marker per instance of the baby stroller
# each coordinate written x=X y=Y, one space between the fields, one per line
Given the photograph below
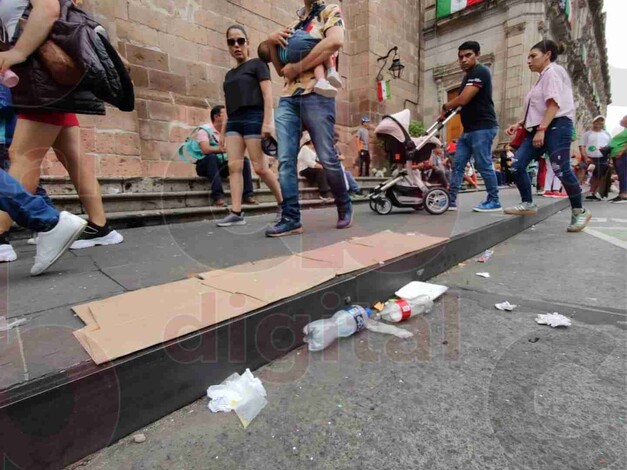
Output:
x=407 y=188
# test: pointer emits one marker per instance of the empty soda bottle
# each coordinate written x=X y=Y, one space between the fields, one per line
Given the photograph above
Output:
x=400 y=310
x=321 y=333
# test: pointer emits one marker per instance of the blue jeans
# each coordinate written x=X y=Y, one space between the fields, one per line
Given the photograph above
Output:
x=210 y=168
x=477 y=144
x=29 y=211
x=353 y=187
x=557 y=140
x=621 y=169
x=316 y=114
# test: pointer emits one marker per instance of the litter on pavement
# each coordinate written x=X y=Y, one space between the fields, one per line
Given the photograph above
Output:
x=416 y=288
x=243 y=393
x=378 y=327
x=486 y=275
x=553 y=319
x=6 y=326
x=505 y=306
x=487 y=254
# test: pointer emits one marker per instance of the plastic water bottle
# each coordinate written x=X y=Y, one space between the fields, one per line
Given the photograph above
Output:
x=400 y=310
x=321 y=333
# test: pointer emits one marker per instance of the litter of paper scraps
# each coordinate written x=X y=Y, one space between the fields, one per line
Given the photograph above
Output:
x=505 y=306
x=486 y=275
x=243 y=393
x=416 y=288
x=553 y=319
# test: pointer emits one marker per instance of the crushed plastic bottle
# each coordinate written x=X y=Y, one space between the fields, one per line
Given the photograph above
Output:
x=320 y=334
x=400 y=310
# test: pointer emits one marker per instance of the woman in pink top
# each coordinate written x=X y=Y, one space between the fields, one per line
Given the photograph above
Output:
x=549 y=116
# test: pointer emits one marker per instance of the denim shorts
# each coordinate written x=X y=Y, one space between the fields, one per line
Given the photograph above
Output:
x=246 y=122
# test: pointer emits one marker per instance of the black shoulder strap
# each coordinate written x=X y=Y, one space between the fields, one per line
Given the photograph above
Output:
x=315 y=12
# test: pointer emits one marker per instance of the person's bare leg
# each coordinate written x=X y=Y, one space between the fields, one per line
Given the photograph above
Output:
x=31 y=142
x=320 y=73
x=261 y=167
x=82 y=171
x=235 y=148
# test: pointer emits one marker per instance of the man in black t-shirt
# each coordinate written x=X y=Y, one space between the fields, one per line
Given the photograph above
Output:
x=480 y=127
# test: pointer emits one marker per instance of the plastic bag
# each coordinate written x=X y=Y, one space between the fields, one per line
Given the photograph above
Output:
x=245 y=394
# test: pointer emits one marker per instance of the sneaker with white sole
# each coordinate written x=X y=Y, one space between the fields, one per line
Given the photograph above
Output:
x=52 y=244
x=334 y=78
x=232 y=219
x=324 y=88
x=33 y=240
x=488 y=206
x=95 y=235
x=579 y=220
x=524 y=208
x=7 y=253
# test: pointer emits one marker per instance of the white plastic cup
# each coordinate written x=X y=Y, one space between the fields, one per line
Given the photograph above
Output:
x=9 y=79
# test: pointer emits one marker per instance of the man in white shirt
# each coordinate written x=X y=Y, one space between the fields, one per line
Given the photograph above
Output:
x=591 y=144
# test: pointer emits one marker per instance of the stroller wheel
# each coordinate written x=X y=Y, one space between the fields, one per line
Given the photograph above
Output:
x=382 y=205
x=436 y=201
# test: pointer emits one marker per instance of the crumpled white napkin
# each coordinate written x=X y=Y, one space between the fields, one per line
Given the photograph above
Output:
x=486 y=275
x=245 y=394
x=553 y=319
x=505 y=306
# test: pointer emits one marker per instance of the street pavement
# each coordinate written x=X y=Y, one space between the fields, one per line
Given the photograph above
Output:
x=478 y=388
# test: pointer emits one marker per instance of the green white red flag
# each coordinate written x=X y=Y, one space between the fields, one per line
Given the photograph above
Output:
x=383 y=90
x=448 y=7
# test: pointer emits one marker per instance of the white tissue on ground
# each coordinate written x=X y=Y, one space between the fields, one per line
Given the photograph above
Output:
x=486 y=275
x=243 y=393
x=386 y=329
x=505 y=306
x=416 y=288
x=553 y=319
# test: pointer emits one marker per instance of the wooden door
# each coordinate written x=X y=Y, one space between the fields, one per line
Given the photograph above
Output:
x=454 y=128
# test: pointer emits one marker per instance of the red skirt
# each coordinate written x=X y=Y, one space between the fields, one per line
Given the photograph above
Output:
x=55 y=119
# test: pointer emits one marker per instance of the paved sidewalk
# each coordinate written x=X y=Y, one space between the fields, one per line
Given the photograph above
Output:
x=478 y=389
x=156 y=255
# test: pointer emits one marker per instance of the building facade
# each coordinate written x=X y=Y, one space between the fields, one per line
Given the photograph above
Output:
x=506 y=30
x=179 y=57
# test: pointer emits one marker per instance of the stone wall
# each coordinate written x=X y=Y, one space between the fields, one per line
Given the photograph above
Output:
x=179 y=57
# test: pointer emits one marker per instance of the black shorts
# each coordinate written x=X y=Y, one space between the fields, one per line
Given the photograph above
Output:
x=364 y=155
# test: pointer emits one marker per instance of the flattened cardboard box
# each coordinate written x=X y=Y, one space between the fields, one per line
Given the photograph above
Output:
x=136 y=320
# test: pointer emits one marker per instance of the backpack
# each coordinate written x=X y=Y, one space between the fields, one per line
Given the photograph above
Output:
x=190 y=151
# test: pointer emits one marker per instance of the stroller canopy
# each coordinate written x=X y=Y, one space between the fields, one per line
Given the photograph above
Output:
x=394 y=130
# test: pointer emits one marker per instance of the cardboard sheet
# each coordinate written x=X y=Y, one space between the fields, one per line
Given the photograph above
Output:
x=276 y=281
x=130 y=322
x=136 y=320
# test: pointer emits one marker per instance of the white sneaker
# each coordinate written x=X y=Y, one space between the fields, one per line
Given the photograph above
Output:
x=52 y=244
x=33 y=240
x=324 y=88
x=7 y=253
x=334 y=78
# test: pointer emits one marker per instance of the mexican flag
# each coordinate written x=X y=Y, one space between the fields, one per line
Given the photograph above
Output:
x=565 y=4
x=384 y=92
x=448 y=7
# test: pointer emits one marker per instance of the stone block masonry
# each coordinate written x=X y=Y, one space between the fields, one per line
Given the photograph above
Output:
x=178 y=55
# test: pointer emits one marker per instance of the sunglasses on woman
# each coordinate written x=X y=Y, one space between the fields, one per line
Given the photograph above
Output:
x=239 y=41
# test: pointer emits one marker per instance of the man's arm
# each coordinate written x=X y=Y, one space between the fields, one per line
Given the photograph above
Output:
x=207 y=148
x=332 y=43
x=470 y=91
